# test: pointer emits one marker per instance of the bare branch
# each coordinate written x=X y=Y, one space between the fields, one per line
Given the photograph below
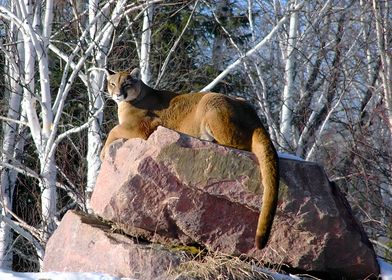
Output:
x=14 y=121
x=19 y=228
x=251 y=52
x=23 y=170
x=173 y=48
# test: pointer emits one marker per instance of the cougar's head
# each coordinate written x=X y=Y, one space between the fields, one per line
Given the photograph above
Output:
x=124 y=86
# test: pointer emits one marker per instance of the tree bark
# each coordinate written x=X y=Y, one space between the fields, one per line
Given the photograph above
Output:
x=286 y=118
x=96 y=82
x=8 y=176
x=383 y=28
x=145 y=45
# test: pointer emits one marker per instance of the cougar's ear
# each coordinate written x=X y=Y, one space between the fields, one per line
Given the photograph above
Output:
x=109 y=72
x=135 y=73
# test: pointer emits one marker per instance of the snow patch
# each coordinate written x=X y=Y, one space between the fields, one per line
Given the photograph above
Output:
x=11 y=275
x=289 y=156
x=385 y=269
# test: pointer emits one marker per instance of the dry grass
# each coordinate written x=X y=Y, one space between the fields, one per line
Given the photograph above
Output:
x=216 y=267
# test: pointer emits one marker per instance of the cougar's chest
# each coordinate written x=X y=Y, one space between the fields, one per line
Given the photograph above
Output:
x=129 y=114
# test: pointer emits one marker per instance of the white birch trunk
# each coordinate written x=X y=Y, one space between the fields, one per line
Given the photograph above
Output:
x=96 y=82
x=145 y=45
x=32 y=48
x=96 y=79
x=92 y=12
x=48 y=174
x=12 y=147
x=365 y=36
x=383 y=28
x=5 y=232
x=29 y=103
x=8 y=176
x=36 y=48
x=286 y=129
x=43 y=65
x=10 y=129
x=382 y=13
x=47 y=160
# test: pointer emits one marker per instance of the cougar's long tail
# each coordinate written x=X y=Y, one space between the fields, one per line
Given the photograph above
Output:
x=265 y=152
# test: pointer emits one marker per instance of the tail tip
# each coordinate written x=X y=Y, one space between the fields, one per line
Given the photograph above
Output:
x=261 y=242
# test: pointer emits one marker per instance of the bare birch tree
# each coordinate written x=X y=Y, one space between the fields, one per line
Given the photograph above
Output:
x=9 y=151
x=43 y=106
x=382 y=18
x=145 y=44
x=96 y=82
x=288 y=97
x=27 y=19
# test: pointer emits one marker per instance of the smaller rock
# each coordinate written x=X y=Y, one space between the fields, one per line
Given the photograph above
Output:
x=83 y=243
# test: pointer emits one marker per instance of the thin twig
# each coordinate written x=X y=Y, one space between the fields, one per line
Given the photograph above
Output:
x=14 y=121
x=173 y=48
x=23 y=170
x=249 y=53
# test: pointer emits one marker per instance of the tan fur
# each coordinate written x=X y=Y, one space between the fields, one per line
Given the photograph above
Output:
x=210 y=116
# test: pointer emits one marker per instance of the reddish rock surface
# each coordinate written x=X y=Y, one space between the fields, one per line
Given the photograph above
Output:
x=177 y=189
x=84 y=244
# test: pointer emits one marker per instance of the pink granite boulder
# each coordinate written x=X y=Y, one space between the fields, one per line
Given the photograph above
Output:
x=177 y=189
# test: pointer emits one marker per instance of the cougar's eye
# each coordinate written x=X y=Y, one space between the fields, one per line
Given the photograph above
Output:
x=112 y=84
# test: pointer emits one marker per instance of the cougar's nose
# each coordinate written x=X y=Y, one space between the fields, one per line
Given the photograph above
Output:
x=123 y=92
x=117 y=96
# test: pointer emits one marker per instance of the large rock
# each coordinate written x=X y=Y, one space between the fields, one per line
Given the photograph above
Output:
x=84 y=244
x=177 y=189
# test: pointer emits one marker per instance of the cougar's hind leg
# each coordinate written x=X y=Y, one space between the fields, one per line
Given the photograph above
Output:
x=221 y=121
x=220 y=125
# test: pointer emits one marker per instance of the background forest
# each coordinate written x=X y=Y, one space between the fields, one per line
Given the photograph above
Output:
x=318 y=72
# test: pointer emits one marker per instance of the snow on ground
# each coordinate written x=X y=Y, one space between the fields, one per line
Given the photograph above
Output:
x=11 y=275
x=290 y=156
x=386 y=269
